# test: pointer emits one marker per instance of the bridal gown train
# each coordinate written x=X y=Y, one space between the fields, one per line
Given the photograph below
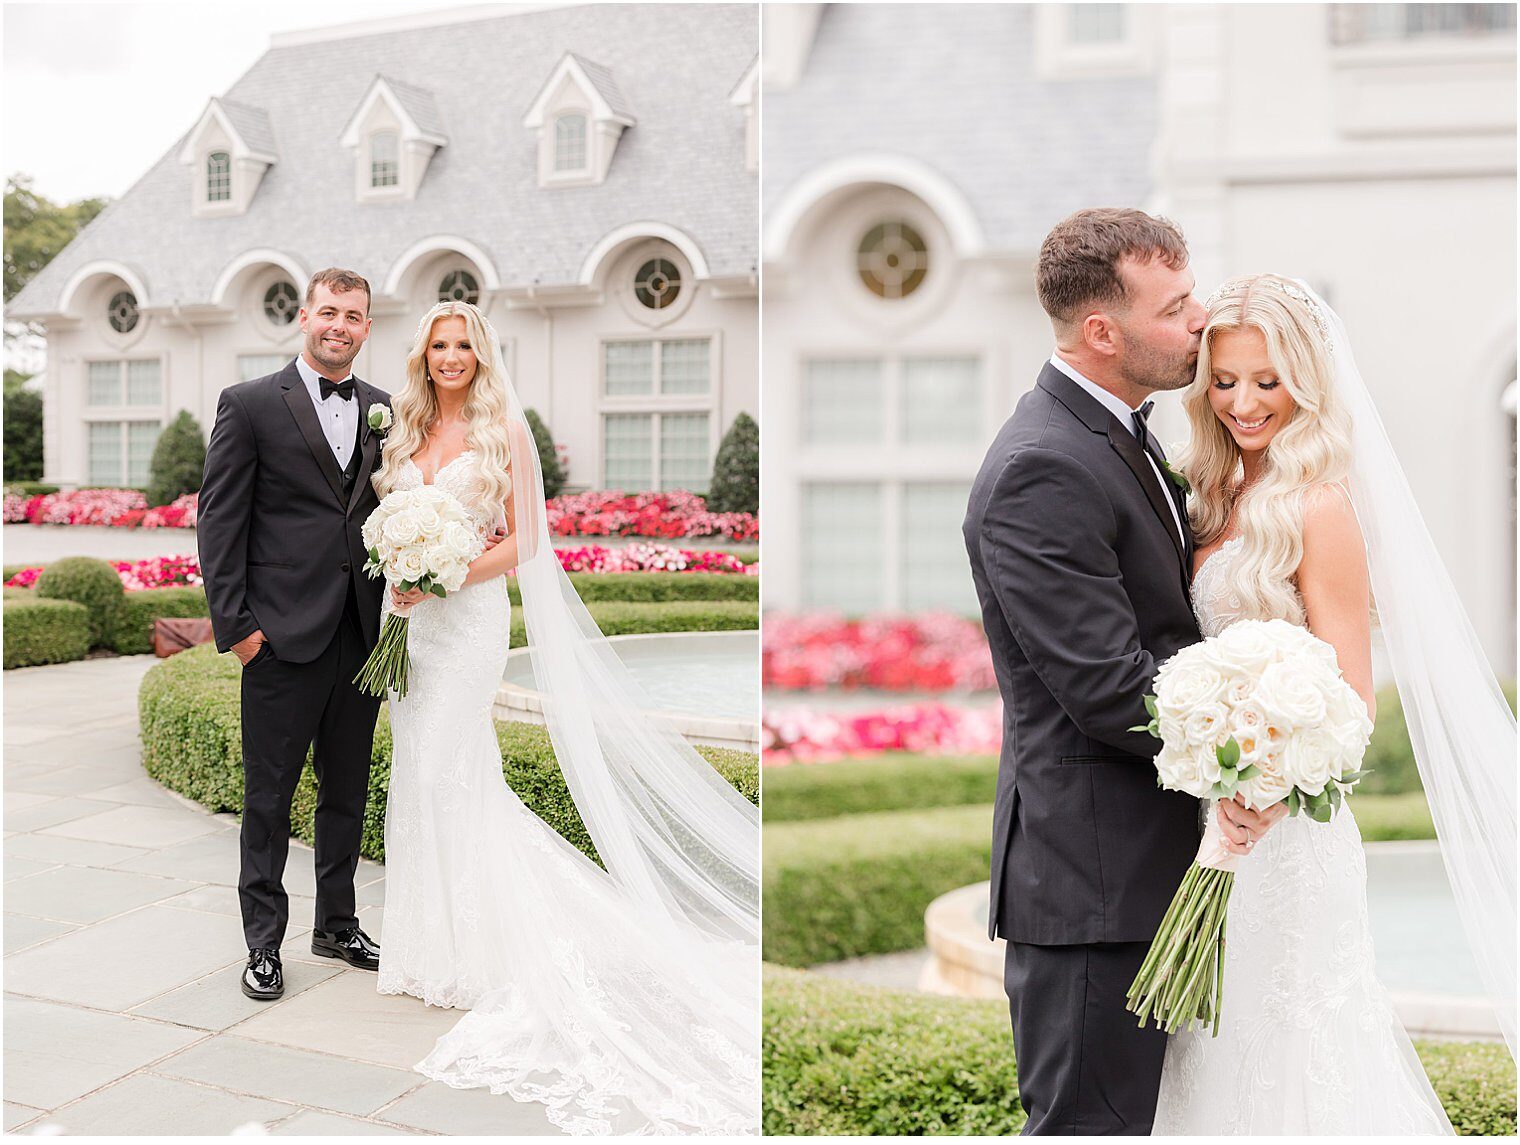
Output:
x=1309 y=1042
x=577 y=1002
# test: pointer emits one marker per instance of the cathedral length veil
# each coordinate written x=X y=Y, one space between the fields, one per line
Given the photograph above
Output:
x=681 y=848
x=1460 y=725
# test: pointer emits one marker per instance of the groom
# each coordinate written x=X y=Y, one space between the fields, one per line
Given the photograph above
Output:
x=1082 y=558
x=286 y=489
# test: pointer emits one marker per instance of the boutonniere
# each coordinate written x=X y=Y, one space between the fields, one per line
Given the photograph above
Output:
x=1179 y=479
x=379 y=417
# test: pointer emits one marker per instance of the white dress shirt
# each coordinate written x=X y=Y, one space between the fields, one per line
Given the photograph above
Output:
x=339 y=419
x=1124 y=413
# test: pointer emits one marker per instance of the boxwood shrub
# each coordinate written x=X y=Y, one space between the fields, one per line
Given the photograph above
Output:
x=189 y=713
x=92 y=583
x=847 y=1059
x=894 y=781
x=622 y=618
x=39 y=631
x=134 y=635
x=859 y=884
x=654 y=587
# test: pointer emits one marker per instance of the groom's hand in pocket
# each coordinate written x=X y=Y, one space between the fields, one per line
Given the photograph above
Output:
x=1243 y=828
x=248 y=647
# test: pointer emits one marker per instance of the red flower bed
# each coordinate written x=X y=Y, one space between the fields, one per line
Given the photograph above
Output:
x=154 y=572
x=801 y=735
x=613 y=513
x=933 y=652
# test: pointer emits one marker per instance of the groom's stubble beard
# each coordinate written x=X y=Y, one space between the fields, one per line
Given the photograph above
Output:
x=328 y=359
x=1154 y=368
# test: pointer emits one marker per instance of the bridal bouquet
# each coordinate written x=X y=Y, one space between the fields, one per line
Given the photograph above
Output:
x=417 y=538
x=1259 y=712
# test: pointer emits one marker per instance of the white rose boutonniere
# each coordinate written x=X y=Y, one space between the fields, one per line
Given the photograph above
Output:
x=379 y=417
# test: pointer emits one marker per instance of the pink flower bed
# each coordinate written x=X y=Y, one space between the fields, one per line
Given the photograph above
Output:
x=932 y=652
x=165 y=572
x=651 y=558
x=178 y=515
x=801 y=735
x=613 y=513
x=155 y=572
x=120 y=507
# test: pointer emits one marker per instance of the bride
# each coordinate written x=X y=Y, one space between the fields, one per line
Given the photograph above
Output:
x=1302 y=513
x=626 y=1000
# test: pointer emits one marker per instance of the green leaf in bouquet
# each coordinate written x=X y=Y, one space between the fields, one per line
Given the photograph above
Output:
x=374 y=555
x=1141 y=728
x=1295 y=801
x=1150 y=706
x=439 y=591
x=1249 y=771
x=1335 y=795
x=407 y=585
x=1322 y=814
x=1228 y=754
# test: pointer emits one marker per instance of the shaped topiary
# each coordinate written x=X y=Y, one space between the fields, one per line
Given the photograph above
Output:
x=179 y=458
x=92 y=583
x=735 y=484
x=548 y=458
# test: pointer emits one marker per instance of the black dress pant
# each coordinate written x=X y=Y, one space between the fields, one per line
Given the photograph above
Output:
x=1085 y=1066
x=288 y=708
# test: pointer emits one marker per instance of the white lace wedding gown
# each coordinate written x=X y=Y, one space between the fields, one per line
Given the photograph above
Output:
x=488 y=909
x=1309 y=1042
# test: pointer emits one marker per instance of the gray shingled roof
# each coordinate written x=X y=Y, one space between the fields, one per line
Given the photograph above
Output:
x=252 y=123
x=954 y=86
x=419 y=103
x=683 y=164
x=601 y=79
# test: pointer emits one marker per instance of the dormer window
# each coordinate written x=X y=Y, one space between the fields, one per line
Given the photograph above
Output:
x=570 y=143
x=218 y=177
x=394 y=132
x=579 y=115
x=228 y=151
x=385 y=160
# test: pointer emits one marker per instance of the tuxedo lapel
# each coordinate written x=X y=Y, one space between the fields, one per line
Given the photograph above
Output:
x=369 y=444
x=1097 y=418
x=298 y=400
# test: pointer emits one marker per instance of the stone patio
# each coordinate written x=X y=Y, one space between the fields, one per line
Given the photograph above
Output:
x=123 y=948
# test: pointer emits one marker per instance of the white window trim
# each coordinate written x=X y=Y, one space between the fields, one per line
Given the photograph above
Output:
x=1057 y=56
x=586 y=126
x=375 y=190
x=656 y=403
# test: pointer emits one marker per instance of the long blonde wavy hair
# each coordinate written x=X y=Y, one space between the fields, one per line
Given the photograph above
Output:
x=415 y=407
x=1312 y=449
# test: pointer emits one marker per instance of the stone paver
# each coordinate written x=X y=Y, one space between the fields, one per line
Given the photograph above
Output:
x=123 y=949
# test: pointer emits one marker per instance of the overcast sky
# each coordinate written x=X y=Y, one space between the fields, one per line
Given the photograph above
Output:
x=95 y=93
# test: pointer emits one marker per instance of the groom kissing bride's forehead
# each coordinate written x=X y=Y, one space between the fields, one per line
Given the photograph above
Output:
x=1081 y=553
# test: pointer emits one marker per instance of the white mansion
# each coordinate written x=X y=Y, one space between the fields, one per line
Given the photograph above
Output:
x=916 y=154
x=587 y=174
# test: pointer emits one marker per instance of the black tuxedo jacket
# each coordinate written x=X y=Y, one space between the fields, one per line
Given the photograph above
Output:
x=279 y=542
x=1083 y=583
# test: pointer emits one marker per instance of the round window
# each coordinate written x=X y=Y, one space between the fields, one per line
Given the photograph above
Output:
x=281 y=302
x=459 y=286
x=122 y=311
x=892 y=260
x=657 y=284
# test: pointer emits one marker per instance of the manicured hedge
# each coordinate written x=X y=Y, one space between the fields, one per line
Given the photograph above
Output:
x=92 y=583
x=134 y=634
x=619 y=618
x=190 y=720
x=895 y=781
x=654 y=587
x=859 y=884
x=39 y=631
x=847 y=1059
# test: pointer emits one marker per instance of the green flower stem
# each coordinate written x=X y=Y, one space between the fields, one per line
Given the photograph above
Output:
x=1182 y=977
x=388 y=668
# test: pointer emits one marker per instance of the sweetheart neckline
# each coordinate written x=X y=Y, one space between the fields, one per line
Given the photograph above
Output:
x=437 y=473
x=1199 y=571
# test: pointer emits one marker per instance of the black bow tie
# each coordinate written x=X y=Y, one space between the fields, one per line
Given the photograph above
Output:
x=1140 y=415
x=344 y=389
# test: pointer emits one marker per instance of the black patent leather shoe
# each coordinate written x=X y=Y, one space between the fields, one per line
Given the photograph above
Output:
x=352 y=945
x=263 y=980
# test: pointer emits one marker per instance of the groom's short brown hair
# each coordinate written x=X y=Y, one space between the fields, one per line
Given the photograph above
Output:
x=339 y=281
x=1079 y=259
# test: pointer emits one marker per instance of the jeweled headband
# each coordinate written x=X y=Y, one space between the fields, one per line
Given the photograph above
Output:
x=1284 y=286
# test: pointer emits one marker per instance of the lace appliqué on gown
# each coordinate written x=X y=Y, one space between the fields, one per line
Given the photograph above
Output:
x=488 y=909
x=1309 y=1042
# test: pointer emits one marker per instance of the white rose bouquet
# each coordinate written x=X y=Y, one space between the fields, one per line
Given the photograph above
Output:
x=1260 y=713
x=417 y=538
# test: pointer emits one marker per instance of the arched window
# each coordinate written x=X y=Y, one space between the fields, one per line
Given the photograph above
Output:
x=570 y=143
x=384 y=160
x=218 y=177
